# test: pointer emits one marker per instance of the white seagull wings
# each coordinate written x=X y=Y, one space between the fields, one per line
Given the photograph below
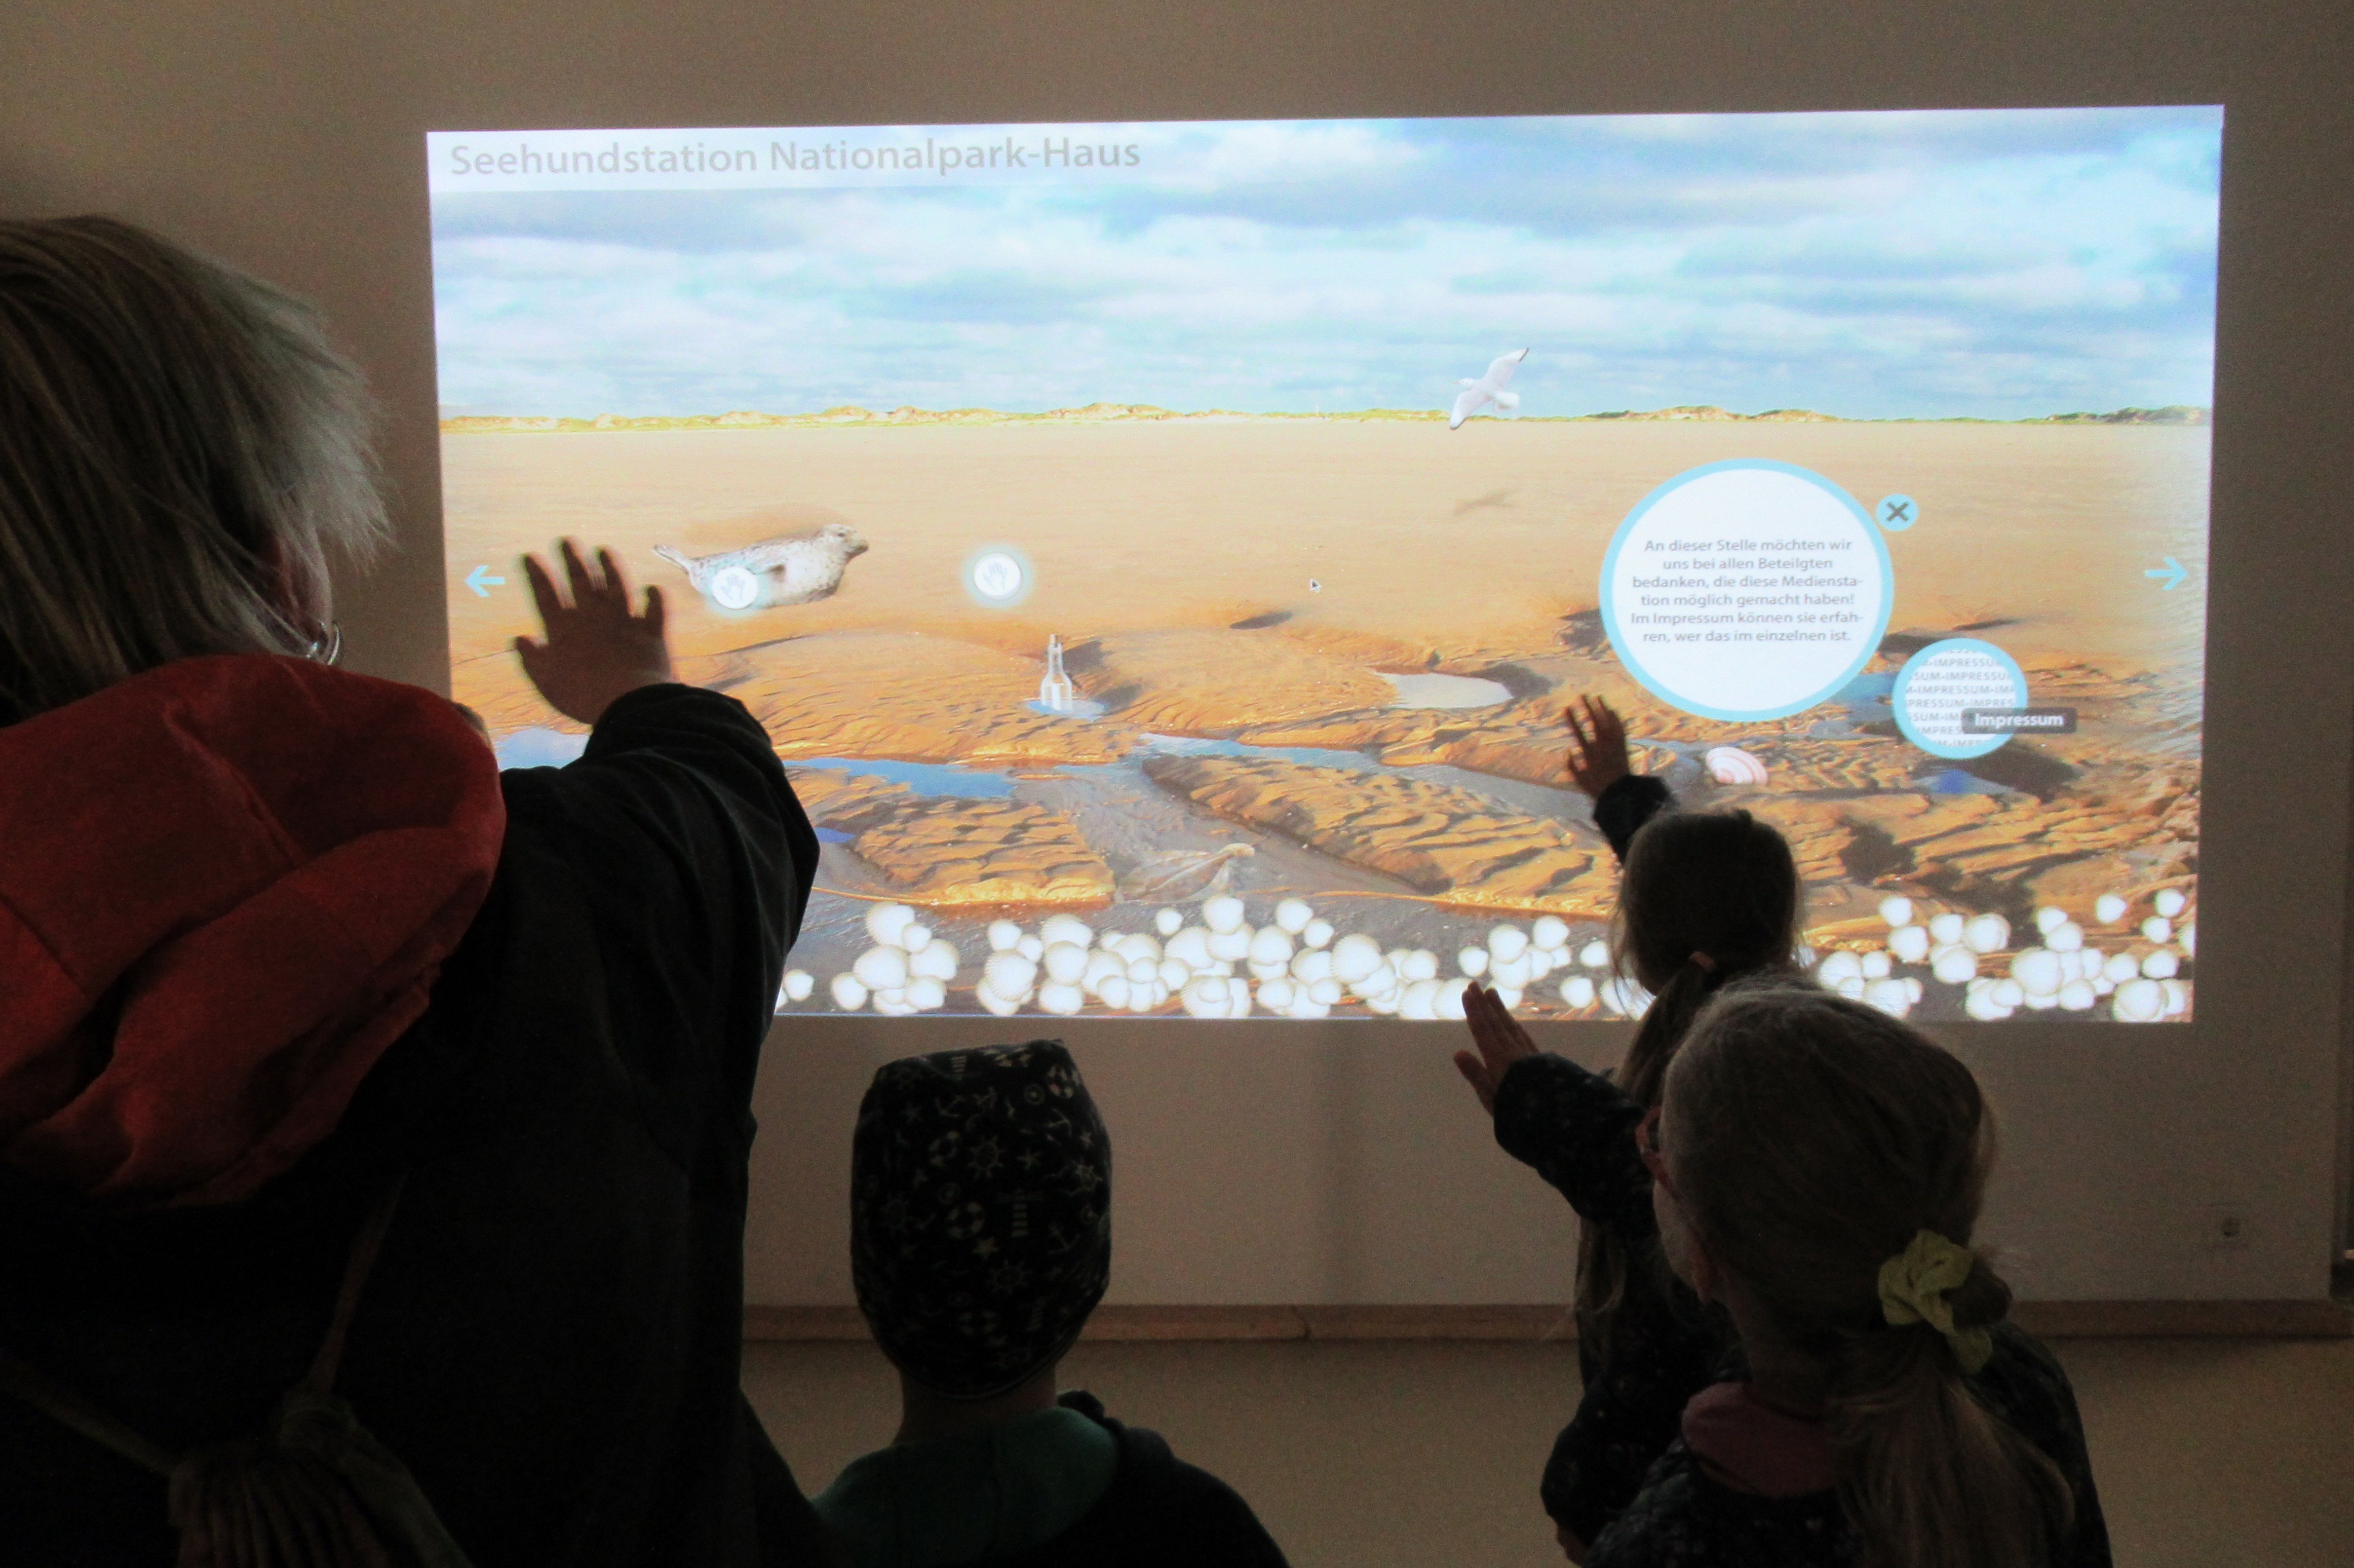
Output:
x=1488 y=388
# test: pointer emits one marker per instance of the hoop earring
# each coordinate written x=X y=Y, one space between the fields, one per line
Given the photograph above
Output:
x=326 y=649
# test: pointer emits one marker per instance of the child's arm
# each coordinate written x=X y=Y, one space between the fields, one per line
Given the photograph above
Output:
x=1576 y=1128
x=1623 y=798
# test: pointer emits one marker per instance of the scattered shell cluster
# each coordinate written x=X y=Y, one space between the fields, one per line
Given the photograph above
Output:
x=1296 y=964
x=2066 y=968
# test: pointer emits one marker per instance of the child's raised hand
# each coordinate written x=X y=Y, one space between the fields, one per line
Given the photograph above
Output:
x=1598 y=748
x=1501 y=1039
x=594 y=650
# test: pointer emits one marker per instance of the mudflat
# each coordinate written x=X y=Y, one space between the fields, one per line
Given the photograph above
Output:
x=1235 y=598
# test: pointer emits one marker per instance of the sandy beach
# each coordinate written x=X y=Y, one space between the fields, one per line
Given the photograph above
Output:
x=1241 y=598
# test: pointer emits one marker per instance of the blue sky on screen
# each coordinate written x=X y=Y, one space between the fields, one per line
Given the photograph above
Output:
x=1997 y=264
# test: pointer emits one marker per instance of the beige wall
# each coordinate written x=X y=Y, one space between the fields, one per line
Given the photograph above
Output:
x=1340 y=1163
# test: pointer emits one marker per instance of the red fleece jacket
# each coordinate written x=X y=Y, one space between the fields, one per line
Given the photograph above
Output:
x=226 y=886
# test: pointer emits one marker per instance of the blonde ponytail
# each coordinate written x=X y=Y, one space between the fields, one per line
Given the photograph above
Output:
x=1819 y=1147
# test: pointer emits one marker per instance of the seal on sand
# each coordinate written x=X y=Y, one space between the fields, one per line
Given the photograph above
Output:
x=793 y=569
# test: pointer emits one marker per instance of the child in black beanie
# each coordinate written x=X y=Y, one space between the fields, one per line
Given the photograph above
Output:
x=980 y=1239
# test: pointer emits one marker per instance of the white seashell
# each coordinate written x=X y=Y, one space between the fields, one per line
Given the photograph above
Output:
x=2064 y=937
x=1316 y=934
x=1277 y=992
x=1509 y=996
x=1223 y=913
x=2189 y=940
x=1175 y=974
x=1982 y=1006
x=2170 y=902
x=1730 y=765
x=1578 y=990
x=1167 y=922
x=1946 y=929
x=1909 y=943
x=995 y=1003
x=1839 y=966
x=1511 y=973
x=2102 y=985
x=1953 y=964
x=1914 y=988
x=1595 y=955
x=1324 y=992
x=1852 y=988
x=2138 y=1001
x=2037 y=970
x=1876 y=964
x=1507 y=942
x=1066 y=928
x=935 y=960
x=881 y=968
x=2108 y=908
x=2178 y=996
x=1011 y=975
x=1889 y=996
x=1292 y=915
x=1231 y=947
x=1102 y=964
x=927 y=994
x=1419 y=1002
x=1205 y=997
x=1259 y=971
x=1356 y=957
x=1142 y=970
x=2161 y=965
x=1624 y=997
x=1313 y=964
x=1897 y=911
x=1066 y=963
x=1271 y=944
x=1113 y=991
x=2120 y=968
x=1542 y=961
x=799 y=983
x=914 y=936
x=1031 y=948
x=1472 y=961
x=2077 y=996
x=2157 y=928
x=1549 y=931
x=2009 y=992
x=1003 y=935
x=1306 y=1006
x=1984 y=934
x=848 y=994
x=894 y=1003
x=1451 y=998
x=1190 y=946
x=2049 y=916
x=885 y=921
x=1059 y=997
x=1421 y=964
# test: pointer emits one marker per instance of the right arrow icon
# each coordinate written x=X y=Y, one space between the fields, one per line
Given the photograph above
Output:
x=2173 y=572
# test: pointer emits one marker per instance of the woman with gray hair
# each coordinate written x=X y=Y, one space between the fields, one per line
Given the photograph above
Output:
x=325 y=1046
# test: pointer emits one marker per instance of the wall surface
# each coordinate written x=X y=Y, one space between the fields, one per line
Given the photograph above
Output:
x=1342 y=1163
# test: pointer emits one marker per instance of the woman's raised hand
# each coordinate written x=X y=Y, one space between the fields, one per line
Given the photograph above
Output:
x=1501 y=1040
x=1598 y=748
x=595 y=649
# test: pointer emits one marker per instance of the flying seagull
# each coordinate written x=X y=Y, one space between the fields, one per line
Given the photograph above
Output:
x=1488 y=388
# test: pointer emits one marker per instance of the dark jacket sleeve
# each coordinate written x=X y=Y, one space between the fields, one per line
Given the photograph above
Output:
x=1624 y=806
x=1576 y=1129
x=695 y=863
x=1160 y=1512
x=2025 y=1386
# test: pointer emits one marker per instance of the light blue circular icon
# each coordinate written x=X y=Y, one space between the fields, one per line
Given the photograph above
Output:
x=1746 y=590
x=1945 y=682
x=998 y=577
x=1897 y=513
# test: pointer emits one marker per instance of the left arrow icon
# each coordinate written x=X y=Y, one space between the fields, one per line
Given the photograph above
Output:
x=482 y=582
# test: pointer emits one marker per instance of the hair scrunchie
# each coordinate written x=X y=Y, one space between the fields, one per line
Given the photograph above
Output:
x=1912 y=1287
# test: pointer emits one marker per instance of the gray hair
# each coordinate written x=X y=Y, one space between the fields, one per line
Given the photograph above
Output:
x=177 y=439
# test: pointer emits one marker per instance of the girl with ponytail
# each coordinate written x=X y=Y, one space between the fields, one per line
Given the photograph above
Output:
x=1707 y=898
x=1818 y=1170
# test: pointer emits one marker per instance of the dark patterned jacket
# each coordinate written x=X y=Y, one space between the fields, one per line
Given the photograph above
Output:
x=1683 y=1517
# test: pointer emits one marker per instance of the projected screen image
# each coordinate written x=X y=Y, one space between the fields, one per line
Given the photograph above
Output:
x=1160 y=553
